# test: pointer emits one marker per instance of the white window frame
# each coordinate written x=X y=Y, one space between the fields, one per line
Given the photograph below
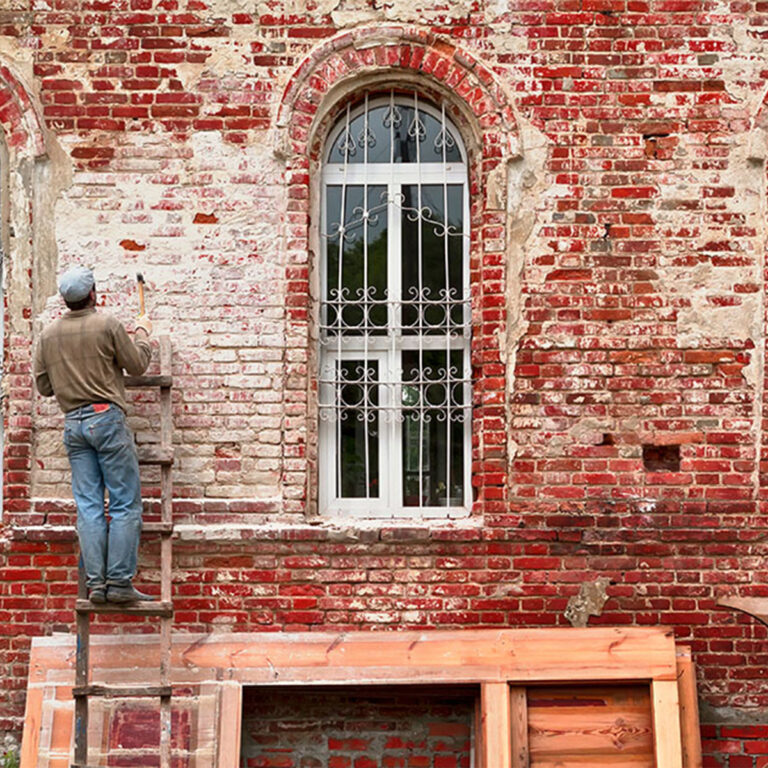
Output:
x=387 y=349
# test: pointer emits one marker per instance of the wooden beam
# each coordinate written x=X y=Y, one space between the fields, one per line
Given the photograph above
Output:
x=33 y=716
x=689 y=708
x=478 y=733
x=496 y=725
x=229 y=725
x=666 y=724
x=82 y=669
x=519 y=726
x=262 y=658
x=436 y=657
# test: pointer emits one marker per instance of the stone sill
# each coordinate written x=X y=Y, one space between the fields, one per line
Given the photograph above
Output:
x=359 y=531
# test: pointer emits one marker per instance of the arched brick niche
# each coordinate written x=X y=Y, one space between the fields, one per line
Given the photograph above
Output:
x=22 y=137
x=338 y=72
x=20 y=122
x=757 y=151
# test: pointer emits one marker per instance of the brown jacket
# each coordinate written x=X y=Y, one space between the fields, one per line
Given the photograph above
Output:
x=81 y=356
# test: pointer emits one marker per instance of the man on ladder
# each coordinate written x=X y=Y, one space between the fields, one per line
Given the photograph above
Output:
x=80 y=359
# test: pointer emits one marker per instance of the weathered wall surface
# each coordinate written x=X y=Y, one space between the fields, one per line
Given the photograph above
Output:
x=618 y=262
x=356 y=728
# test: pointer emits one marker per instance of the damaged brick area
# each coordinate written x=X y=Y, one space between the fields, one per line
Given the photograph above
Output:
x=616 y=260
x=589 y=602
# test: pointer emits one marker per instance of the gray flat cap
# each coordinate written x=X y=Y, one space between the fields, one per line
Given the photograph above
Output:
x=76 y=283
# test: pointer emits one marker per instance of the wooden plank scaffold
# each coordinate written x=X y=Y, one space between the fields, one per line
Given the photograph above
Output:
x=161 y=456
x=560 y=696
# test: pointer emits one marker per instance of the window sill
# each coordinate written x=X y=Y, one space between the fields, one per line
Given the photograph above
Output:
x=339 y=531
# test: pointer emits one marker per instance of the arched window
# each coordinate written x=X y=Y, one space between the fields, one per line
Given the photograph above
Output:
x=395 y=377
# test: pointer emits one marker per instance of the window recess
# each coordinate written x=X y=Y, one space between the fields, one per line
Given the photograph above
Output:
x=395 y=377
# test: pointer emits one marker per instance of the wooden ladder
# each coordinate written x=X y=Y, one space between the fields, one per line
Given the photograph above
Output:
x=161 y=456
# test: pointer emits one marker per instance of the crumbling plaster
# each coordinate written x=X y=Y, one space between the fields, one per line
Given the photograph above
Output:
x=526 y=182
x=100 y=214
x=347 y=13
x=36 y=172
x=589 y=602
x=528 y=193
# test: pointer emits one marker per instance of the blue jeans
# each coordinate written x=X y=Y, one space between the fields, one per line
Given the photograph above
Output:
x=102 y=455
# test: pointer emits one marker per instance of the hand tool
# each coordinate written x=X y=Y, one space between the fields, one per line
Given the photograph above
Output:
x=140 y=282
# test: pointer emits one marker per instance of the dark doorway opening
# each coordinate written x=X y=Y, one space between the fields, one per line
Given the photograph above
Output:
x=358 y=727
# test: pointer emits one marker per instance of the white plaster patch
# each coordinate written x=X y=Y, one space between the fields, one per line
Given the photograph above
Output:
x=228 y=56
x=315 y=9
x=496 y=8
x=19 y=58
x=407 y=10
x=702 y=321
x=349 y=13
x=355 y=16
x=526 y=183
x=589 y=431
x=55 y=38
x=225 y=8
x=744 y=54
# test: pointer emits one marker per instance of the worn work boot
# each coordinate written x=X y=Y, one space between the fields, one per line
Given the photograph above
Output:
x=98 y=595
x=127 y=594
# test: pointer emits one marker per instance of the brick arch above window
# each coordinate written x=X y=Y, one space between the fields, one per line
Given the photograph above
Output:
x=338 y=72
x=392 y=52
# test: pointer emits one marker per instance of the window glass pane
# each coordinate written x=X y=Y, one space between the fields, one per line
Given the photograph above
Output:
x=399 y=123
x=433 y=286
x=351 y=144
x=356 y=283
x=431 y=138
x=358 y=429
x=433 y=428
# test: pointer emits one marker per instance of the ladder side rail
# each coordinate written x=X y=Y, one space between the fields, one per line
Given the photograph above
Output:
x=83 y=624
x=166 y=554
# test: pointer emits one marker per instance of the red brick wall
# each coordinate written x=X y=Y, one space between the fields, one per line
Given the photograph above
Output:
x=356 y=729
x=618 y=217
x=735 y=746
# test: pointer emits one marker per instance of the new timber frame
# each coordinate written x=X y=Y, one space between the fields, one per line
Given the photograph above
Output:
x=502 y=663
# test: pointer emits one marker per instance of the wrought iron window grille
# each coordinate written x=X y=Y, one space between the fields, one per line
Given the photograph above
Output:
x=394 y=332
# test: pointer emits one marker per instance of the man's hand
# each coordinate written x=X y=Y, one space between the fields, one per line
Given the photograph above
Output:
x=145 y=324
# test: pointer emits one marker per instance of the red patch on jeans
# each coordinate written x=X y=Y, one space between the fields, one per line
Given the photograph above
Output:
x=99 y=407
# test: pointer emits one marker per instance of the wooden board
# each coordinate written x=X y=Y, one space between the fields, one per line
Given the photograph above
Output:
x=578 y=726
x=666 y=723
x=689 y=708
x=495 y=725
x=441 y=657
x=229 y=716
x=518 y=722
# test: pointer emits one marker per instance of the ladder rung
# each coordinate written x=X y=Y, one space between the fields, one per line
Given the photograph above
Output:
x=157 y=527
x=115 y=691
x=140 y=608
x=150 y=454
x=161 y=380
x=83 y=765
